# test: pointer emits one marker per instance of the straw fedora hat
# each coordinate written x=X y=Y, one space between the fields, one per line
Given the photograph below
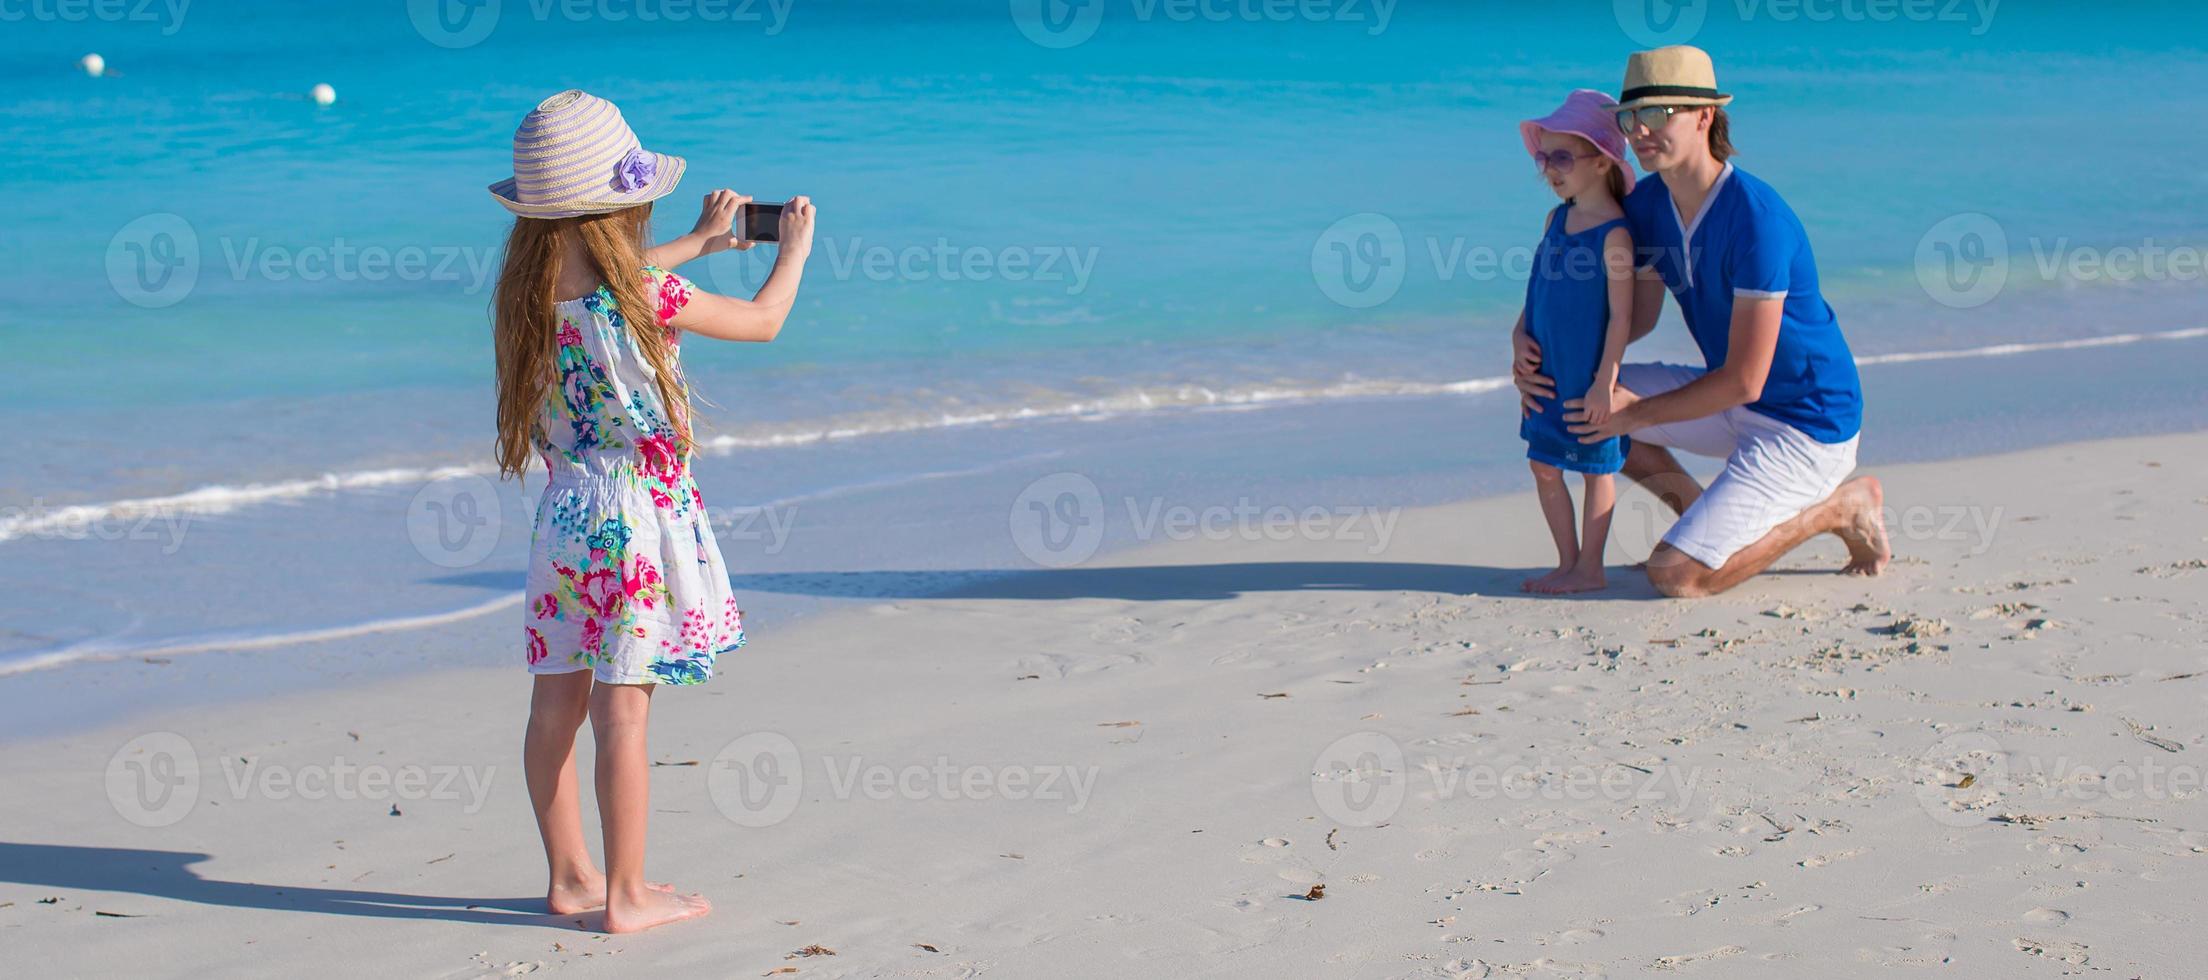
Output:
x=1677 y=75
x=574 y=155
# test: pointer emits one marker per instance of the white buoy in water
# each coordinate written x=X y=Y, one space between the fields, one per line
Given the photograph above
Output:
x=93 y=65
x=323 y=94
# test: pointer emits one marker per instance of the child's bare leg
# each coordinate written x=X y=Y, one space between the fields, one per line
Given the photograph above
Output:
x=618 y=717
x=557 y=708
x=1556 y=505
x=1587 y=573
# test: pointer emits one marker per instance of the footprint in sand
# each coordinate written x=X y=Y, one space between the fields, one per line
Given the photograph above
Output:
x=1689 y=959
x=1577 y=937
x=1067 y=665
x=2071 y=953
x=1691 y=903
x=1557 y=837
x=1788 y=917
x=1450 y=740
x=1261 y=852
x=1821 y=860
x=2046 y=916
x=1481 y=969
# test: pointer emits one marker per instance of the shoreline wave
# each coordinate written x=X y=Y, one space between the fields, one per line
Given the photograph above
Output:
x=61 y=521
x=97 y=650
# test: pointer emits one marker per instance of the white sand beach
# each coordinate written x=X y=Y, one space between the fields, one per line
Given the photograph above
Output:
x=1986 y=763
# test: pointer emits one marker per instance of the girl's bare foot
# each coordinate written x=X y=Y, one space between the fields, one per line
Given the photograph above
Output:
x=586 y=893
x=1539 y=584
x=1863 y=500
x=652 y=907
x=1574 y=580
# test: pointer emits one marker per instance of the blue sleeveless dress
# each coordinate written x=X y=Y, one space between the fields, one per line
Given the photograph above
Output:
x=1567 y=312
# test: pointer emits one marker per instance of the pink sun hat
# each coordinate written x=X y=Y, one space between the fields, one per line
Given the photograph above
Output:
x=1585 y=113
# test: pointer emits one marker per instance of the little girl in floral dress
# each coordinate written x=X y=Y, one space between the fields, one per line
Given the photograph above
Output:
x=626 y=588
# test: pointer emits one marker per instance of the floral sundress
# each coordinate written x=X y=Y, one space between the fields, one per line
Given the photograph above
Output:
x=625 y=577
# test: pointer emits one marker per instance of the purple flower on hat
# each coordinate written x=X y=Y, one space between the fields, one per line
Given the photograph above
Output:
x=635 y=170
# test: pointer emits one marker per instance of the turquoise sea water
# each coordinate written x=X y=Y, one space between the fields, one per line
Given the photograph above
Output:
x=215 y=283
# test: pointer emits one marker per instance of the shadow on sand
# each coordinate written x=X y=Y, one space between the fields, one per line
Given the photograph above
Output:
x=169 y=874
x=1153 y=583
x=1140 y=583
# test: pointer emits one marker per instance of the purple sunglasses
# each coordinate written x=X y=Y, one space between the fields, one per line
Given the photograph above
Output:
x=1562 y=161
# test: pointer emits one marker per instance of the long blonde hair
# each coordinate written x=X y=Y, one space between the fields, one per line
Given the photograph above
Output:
x=525 y=328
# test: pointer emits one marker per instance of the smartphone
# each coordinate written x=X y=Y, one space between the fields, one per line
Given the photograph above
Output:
x=757 y=222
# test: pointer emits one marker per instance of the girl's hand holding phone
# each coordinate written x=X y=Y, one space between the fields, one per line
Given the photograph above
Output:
x=797 y=226
x=715 y=220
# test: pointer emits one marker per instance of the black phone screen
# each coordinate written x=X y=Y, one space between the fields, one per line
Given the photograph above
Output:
x=761 y=223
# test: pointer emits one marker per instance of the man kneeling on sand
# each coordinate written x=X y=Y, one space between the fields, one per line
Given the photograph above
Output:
x=1778 y=399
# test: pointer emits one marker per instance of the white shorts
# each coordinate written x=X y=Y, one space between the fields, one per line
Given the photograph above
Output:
x=1773 y=471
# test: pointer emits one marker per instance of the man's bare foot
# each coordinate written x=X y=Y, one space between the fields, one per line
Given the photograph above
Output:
x=652 y=907
x=1573 y=580
x=585 y=893
x=1863 y=506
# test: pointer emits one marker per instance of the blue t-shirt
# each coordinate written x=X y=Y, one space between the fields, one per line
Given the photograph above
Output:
x=1747 y=242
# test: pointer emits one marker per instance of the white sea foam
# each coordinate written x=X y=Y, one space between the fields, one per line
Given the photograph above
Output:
x=34 y=521
x=2005 y=350
x=95 y=650
x=69 y=520
x=65 y=520
x=1126 y=403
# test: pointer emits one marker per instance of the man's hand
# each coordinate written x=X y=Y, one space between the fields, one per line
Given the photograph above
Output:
x=1619 y=421
x=716 y=217
x=1525 y=372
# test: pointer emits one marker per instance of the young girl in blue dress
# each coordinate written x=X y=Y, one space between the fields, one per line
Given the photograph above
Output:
x=1579 y=309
